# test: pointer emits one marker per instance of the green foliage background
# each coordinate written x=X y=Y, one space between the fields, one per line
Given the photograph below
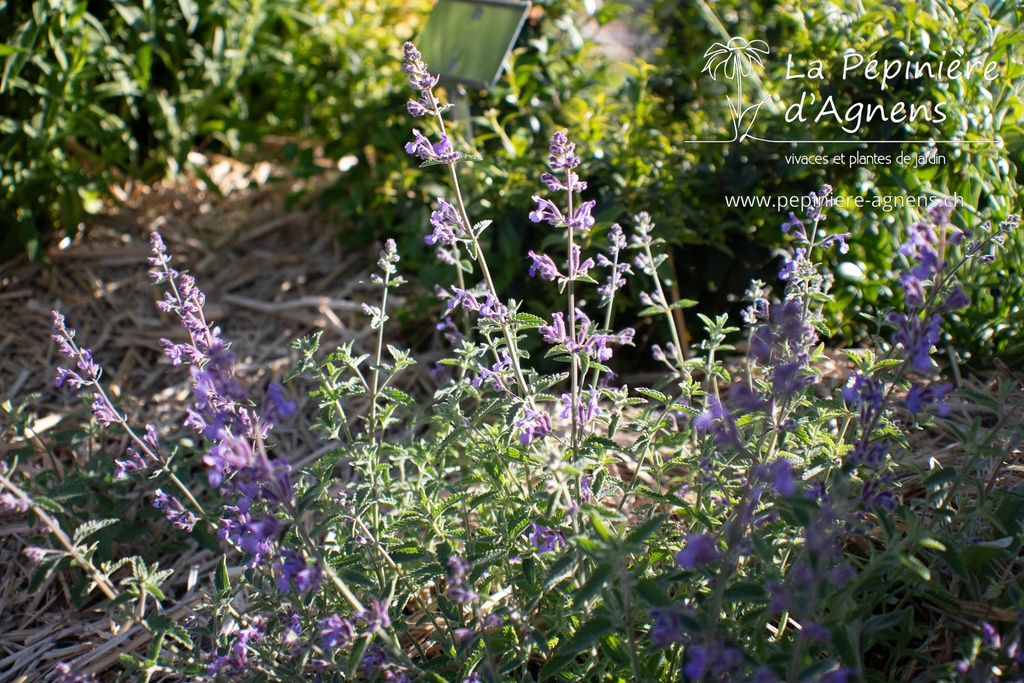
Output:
x=97 y=91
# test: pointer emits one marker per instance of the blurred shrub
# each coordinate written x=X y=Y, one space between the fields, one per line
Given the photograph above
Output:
x=96 y=92
x=985 y=175
x=93 y=93
x=634 y=123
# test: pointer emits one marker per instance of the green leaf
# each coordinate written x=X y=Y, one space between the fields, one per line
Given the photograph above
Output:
x=599 y=527
x=651 y=393
x=881 y=623
x=916 y=566
x=594 y=584
x=159 y=623
x=884 y=364
x=397 y=396
x=639 y=535
x=940 y=476
x=529 y=320
x=44 y=570
x=581 y=641
x=89 y=528
x=449 y=608
x=562 y=569
x=48 y=504
x=746 y=592
x=221 y=579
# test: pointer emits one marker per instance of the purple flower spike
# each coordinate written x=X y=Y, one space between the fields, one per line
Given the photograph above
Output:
x=840 y=239
x=562 y=157
x=956 y=300
x=576 y=268
x=174 y=511
x=293 y=571
x=790 y=267
x=68 y=676
x=336 y=632
x=416 y=70
x=783 y=478
x=11 y=503
x=447 y=225
x=104 y=413
x=940 y=212
x=553 y=183
x=667 y=626
x=64 y=375
x=545 y=539
x=543 y=265
x=700 y=549
x=133 y=464
x=277 y=403
x=555 y=333
x=794 y=222
x=920 y=397
x=546 y=211
x=585 y=411
x=492 y=309
x=717 y=420
x=375 y=615
x=917 y=337
x=534 y=425
x=581 y=218
x=421 y=147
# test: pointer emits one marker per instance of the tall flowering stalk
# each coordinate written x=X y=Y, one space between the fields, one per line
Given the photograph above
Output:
x=562 y=159
x=147 y=450
x=451 y=224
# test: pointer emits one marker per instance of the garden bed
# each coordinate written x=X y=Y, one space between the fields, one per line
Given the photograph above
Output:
x=271 y=275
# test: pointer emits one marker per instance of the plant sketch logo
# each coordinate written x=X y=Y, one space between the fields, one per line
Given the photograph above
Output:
x=736 y=59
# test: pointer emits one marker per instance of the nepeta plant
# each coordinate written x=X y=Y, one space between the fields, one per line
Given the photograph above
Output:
x=736 y=521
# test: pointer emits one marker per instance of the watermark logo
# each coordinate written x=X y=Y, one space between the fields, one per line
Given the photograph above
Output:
x=736 y=59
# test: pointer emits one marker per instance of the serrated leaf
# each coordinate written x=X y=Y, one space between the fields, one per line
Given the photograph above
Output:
x=593 y=585
x=884 y=364
x=581 y=641
x=639 y=535
x=651 y=310
x=449 y=608
x=528 y=319
x=916 y=566
x=48 y=504
x=599 y=526
x=882 y=623
x=128 y=662
x=160 y=623
x=397 y=396
x=651 y=393
x=940 y=476
x=931 y=543
x=982 y=399
x=562 y=569
x=89 y=528
x=746 y=592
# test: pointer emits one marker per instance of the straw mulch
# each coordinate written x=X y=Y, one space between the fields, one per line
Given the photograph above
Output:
x=271 y=275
